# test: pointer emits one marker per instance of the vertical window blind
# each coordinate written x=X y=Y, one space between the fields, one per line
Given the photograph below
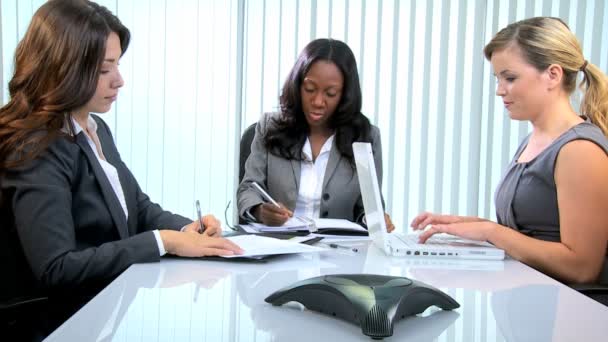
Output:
x=200 y=71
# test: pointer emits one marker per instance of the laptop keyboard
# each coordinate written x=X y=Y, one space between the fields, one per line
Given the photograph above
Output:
x=411 y=240
x=444 y=242
x=407 y=240
x=435 y=246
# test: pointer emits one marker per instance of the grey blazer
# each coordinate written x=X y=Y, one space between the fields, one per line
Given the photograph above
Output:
x=61 y=224
x=341 y=196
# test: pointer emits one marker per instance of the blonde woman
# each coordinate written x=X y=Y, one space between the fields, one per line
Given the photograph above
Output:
x=552 y=204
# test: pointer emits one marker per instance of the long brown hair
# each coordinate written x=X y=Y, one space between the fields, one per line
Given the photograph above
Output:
x=57 y=67
x=545 y=41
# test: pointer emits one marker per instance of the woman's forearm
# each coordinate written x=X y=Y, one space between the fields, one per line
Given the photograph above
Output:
x=552 y=258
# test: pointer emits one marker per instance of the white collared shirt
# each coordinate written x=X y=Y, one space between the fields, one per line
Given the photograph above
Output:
x=111 y=172
x=312 y=174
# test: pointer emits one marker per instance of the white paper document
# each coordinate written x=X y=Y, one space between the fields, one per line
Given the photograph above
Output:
x=294 y=223
x=328 y=238
x=254 y=245
x=324 y=224
x=319 y=225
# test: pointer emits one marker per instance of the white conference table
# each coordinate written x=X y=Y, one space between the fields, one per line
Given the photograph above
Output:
x=203 y=300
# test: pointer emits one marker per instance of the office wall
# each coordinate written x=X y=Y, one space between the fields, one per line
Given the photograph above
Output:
x=198 y=72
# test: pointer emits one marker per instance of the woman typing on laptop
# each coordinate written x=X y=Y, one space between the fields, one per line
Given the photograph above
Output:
x=551 y=203
x=303 y=156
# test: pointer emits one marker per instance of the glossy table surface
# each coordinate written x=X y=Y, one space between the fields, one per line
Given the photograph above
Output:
x=204 y=300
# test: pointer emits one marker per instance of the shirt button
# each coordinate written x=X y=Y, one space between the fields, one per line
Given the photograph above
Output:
x=325 y=196
x=324 y=214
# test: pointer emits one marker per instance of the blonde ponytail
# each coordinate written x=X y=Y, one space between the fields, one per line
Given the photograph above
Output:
x=595 y=100
x=545 y=41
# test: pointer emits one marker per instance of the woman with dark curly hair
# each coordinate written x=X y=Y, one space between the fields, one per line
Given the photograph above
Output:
x=303 y=156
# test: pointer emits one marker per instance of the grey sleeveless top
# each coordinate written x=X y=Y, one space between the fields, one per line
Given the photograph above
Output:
x=526 y=198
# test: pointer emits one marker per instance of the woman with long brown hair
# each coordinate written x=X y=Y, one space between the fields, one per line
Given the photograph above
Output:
x=72 y=216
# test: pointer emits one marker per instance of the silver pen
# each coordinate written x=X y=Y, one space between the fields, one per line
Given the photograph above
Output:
x=201 y=228
x=336 y=246
x=264 y=194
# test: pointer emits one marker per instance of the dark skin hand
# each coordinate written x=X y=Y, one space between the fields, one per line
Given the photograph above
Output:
x=389 y=223
x=271 y=215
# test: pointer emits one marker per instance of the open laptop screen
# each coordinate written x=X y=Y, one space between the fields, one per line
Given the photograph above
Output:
x=370 y=189
x=445 y=246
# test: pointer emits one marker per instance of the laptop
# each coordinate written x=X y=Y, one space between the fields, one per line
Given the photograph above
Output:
x=438 y=246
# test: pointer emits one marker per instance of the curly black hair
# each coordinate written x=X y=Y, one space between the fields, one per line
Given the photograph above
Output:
x=290 y=128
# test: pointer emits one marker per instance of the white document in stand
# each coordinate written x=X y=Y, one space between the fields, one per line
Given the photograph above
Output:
x=338 y=224
x=328 y=238
x=293 y=224
x=254 y=245
x=318 y=225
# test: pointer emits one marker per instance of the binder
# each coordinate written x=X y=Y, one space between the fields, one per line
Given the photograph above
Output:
x=319 y=226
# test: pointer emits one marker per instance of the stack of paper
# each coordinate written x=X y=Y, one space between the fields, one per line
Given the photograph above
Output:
x=254 y=245
x=293 y=224
x=320 y=225
x=338 y=226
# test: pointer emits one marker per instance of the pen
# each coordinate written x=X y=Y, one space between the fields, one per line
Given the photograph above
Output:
x=195 y=299
x=335 y=245
x=200 y=218
x=264 y=194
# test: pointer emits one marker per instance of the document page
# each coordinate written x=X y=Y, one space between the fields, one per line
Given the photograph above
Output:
x=294 y=223
x=254 y=245
x=318 y=225
x=325 y=223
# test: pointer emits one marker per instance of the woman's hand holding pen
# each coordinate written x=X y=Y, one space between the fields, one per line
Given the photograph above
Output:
x=213 y=227
x=272 y=215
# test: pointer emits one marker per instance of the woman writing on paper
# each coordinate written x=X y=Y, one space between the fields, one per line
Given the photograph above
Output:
x=551 y=202
x=72 y=216
x=303 y=155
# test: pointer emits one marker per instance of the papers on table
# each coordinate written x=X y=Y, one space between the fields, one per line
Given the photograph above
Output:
x=254 y=245
x=320 y=225
x=295 y=223
x=331 y=226
x=340 y=238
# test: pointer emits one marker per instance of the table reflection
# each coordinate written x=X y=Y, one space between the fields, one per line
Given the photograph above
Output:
x=195 y=300
x=294 y=322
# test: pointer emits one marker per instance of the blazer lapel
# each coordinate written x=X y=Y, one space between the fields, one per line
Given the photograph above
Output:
x=113 y=158
x=332 y=164
x=296 y=165
x=106 y=189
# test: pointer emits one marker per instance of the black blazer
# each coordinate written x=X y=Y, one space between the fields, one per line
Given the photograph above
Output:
x=61 y=225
